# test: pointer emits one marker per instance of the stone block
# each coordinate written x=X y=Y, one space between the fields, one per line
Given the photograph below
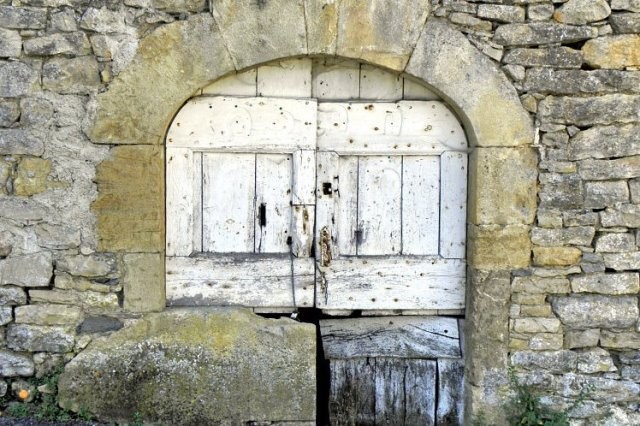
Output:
x=630 y=5
x=577 y=235
x=536 y=325
x=616 y=51
x=75 y=44
x=501 y=13
x=629 y=357
x=10 y=43
x=598 y=195
x=621 y=141
x=44 y=314
x=104 y=20
x=536 y=33
x=13 y=364
x=32 y=176
x=622 y=261
x=536 y=310
x=78 y=75
x=99 y=324
x=554 y=57
x=569 y=82
x=6 y=315
x=18 y=79
x=596 y=360
x=23 y=210
x=580 y=12
x=620 y=168
x=578 y=218
x=63 y=20
x=497 y=247
x=556 y=256
x=561 y=191
x=615 y=242
x=153 y=358
x=57 y=237
x=23 y=18
x=540 y=12
x=528 y=298
x=588 y=111
x=627 y=215
x=131 y=197
x=470 y=21
x=144 y=289
x=594 y=311
x=610 y=283
x=9 y=112
x=540 y=285
x=582 y=338
x=504 y=186
x=36 y=338
x=87 y=300
x=592 y=262
x=625 y=23
x=12 y=296
x=64 y=281
x=546 y=342
x=31 y=270
x=180 y=6
x=634 y=188
x=551 y=361
x=21 y=142
x=620 y=340
x=94 y=265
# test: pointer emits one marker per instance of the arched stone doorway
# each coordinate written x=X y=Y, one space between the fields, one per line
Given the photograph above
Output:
x=177 y=59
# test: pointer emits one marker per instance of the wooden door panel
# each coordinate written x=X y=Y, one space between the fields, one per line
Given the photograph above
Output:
x=273 y=203
x=453 y=231
x=420 y=205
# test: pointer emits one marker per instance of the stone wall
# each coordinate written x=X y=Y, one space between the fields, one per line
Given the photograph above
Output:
x=75 y=250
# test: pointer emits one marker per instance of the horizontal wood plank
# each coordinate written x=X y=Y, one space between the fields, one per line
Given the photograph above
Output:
x=405 y=337
x=391 y=283
x=245 y=124
x=241 y=280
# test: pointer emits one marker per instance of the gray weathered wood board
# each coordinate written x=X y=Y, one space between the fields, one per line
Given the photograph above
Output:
x=450 y=392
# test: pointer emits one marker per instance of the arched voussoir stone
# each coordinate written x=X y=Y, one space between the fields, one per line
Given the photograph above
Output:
x=475 y=87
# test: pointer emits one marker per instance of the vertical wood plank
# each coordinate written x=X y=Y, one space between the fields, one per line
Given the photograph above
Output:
x=304 y=177
x=352 y=392
x=390 y=392
x=450 y=409
x=228 y=190
x=379 y=84
x=347 y=205
x=180 y=201
x=335 y=79
x=273 y=203
x=303 y=220
x=379 y=192
x=420 y=205
x=416 y=91
x=326 y=220
x=241 y=84
x=453 y=205
x=289 y=78
x=197 y=202
x=420 y=392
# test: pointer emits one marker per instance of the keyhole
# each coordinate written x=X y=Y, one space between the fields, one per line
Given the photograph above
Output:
x=262 y=215
x=326 y=188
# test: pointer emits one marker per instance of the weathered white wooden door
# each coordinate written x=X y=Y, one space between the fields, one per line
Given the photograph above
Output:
x=385 y=184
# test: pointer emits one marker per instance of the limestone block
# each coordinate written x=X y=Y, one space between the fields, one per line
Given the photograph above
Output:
x=579 y=12
x=12 y=296
x=6 y=315
x=540 y=12
x=536 y=325
x=253 y=369
x=621 y=215
x=497 y=247
x=74 y=75
x=63 y=20
x=31 y=270
x=595 y=360
x=95 y=265
x=503 y=186
x=9 y=112
x=75 y=44
x=543 y=285
x=561 y=191
x=10 y=43
x=615 y=242
x=119 y=48
x=529 y=299
x=33 y=18
x=620 y=340
x=546 y=342
x=88 y=300
x=573 y=218
x=577 y=235
x=36 y=338
x=625 y=23
x=32 y=176
x=445 y=59
x=256 y=32
x=551 y=361
x=606 y=109
x=21 y=141
x=180 y=6
x=45 y=314
x=592 y=262
x=620 y=168
x=535 y=33
x=598 y=195
x=536 y=311
x=99 y=324
x=322 y=26
x=568 y=82
x=620 y=283
x=104 y=20
x=593 y=311
x=470 y=21
x=22 y=210
x=369 y=30
x=131 y=197
x=622 y=261
x=13 y=364
x=144 y=289
x=57 y=237
x=65 y=281
x=616 y=51
x=582 y=338
x=634 y=188
x=630 y=357
x=501 y=13
x=556 y=256
x=18 y=78
x=555 y=57
x=630 y=5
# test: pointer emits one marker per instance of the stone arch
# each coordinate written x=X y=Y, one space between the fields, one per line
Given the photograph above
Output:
x=177 y=59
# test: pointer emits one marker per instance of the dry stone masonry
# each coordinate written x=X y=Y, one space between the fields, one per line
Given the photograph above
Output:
x=88 y=89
